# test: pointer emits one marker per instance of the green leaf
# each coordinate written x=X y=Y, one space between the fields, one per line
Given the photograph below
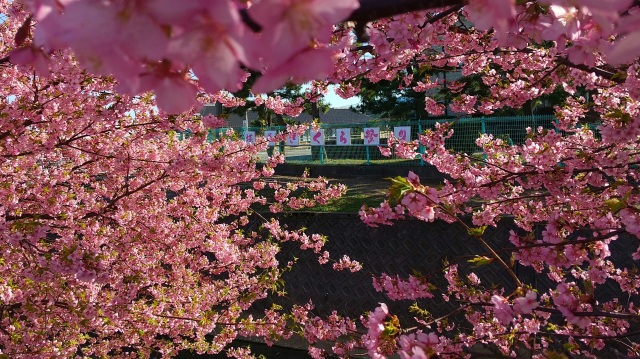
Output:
x=391 y=328
x=399 y=187
x=588 y=287
x=619 y=77
x=621 y=116
x=479 y=261
x=615 y=205
x=414 y=308
x=476 y=231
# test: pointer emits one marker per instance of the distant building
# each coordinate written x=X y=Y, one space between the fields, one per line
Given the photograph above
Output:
x=211 y=109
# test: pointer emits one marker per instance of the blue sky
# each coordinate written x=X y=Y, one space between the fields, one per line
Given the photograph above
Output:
x=337 y=101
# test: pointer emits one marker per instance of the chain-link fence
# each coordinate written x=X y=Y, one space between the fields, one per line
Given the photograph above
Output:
x=358 y=144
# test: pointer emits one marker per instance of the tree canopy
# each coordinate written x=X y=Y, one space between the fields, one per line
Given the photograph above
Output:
x=118 y=238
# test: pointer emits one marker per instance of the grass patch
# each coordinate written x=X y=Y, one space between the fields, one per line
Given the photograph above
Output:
x=350 y=203
x=360 y=191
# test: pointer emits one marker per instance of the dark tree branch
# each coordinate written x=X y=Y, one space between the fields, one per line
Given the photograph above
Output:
x=370 y=10
x=441 y=15
x=252 y=24
x=611 y=76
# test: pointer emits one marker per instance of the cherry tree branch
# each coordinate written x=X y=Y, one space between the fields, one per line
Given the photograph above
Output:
x=479 y=238
x=370 y=10
x=441 y=15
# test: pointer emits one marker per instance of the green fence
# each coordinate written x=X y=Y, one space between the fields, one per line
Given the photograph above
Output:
x=349 y=144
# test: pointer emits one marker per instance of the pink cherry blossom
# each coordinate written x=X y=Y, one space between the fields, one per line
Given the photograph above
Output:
x=306 y=65
x=626 y=49
x=502 y=309
x=291 y=24
x=524 y=305
x=93 y=242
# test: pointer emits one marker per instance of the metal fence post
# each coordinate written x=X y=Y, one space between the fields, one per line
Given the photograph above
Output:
x=483 y=129
x=421 y=148
x=368 y=158
x=535 y=124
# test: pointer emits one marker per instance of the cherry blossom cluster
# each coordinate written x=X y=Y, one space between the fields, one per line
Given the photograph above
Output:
x=175 y=50
x=120 y=235
x=165 y=47
x=397 y=289
x=279 y=106
x=576 y=183
x=347 y=263
x=125 y=233
x=581 y=180
x=514 y=58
